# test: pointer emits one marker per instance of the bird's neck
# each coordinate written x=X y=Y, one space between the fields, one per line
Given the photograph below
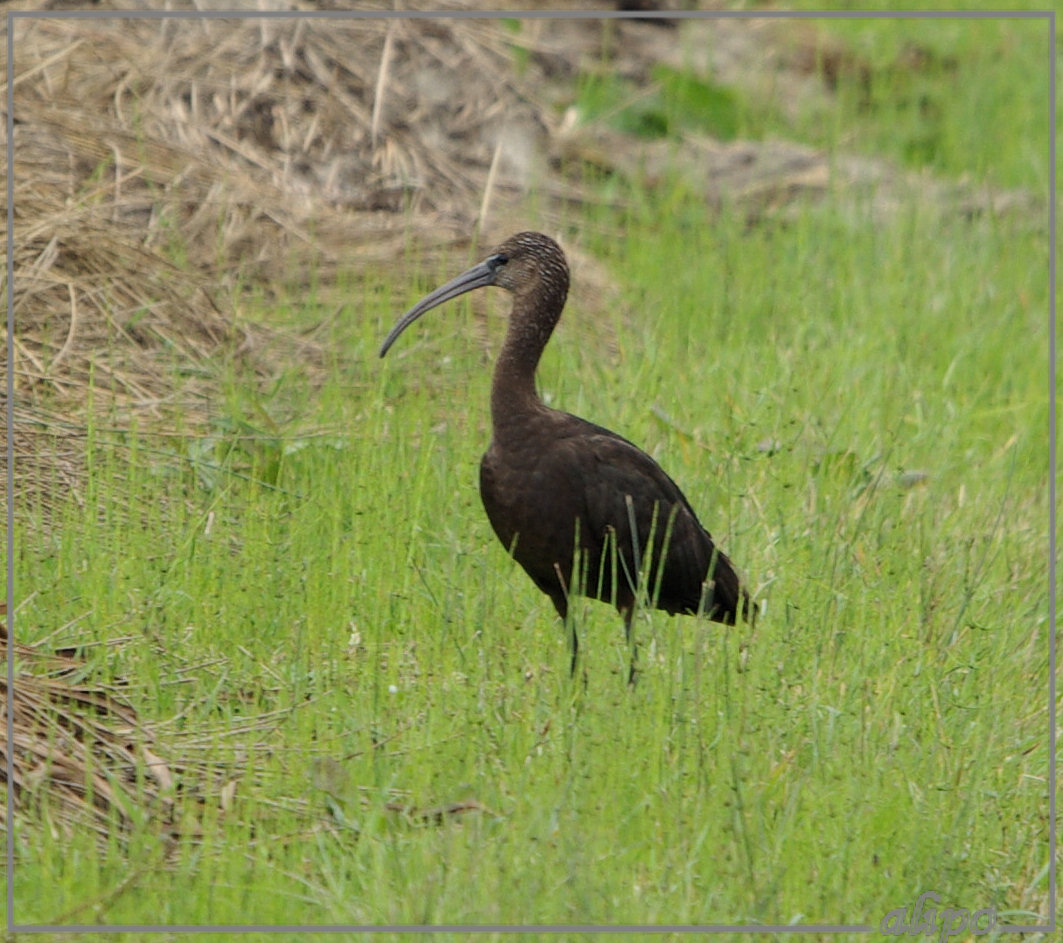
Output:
x=514 y=399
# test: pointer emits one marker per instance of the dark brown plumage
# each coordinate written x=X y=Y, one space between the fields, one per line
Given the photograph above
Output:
x=552 y=482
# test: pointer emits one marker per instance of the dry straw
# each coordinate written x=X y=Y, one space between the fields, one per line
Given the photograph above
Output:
x=81 y=755
x=159 y=164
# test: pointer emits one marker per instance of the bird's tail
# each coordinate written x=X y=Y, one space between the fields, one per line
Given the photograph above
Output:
x=725 y=599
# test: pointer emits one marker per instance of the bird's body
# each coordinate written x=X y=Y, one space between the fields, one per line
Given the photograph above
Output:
x=589 y=474
x=581 y=509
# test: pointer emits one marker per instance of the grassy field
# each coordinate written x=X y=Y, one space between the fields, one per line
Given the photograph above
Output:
x=857 y=407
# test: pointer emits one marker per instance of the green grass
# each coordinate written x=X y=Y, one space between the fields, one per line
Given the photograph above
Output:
x=963 y=98
x=321 y=552
x=967 y=99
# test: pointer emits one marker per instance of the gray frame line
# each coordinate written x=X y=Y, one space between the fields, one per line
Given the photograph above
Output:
x=1053 y=887
x=528 y=14
x=13 y=15
x=449 y=928
x=10 y=548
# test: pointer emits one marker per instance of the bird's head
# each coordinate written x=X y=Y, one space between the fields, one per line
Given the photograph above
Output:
x=529 y=265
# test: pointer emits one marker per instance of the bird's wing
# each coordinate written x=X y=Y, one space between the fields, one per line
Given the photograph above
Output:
x=627 y=492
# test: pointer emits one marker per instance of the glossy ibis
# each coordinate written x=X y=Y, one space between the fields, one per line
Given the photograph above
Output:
x=552 y=482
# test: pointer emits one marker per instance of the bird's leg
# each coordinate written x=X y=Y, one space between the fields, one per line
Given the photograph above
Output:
x=574 y=639
x=560 y=601
x=628 y=613
x=570 y=624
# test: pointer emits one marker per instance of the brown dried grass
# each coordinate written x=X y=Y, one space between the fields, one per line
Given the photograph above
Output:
x=84 y=758
x=157 y=167
x=162 y=167
x=81 y=755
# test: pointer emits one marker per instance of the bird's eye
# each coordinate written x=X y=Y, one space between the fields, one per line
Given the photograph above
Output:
x=497 y=261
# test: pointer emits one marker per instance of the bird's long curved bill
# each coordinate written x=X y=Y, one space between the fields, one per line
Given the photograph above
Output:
x=476 y=277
